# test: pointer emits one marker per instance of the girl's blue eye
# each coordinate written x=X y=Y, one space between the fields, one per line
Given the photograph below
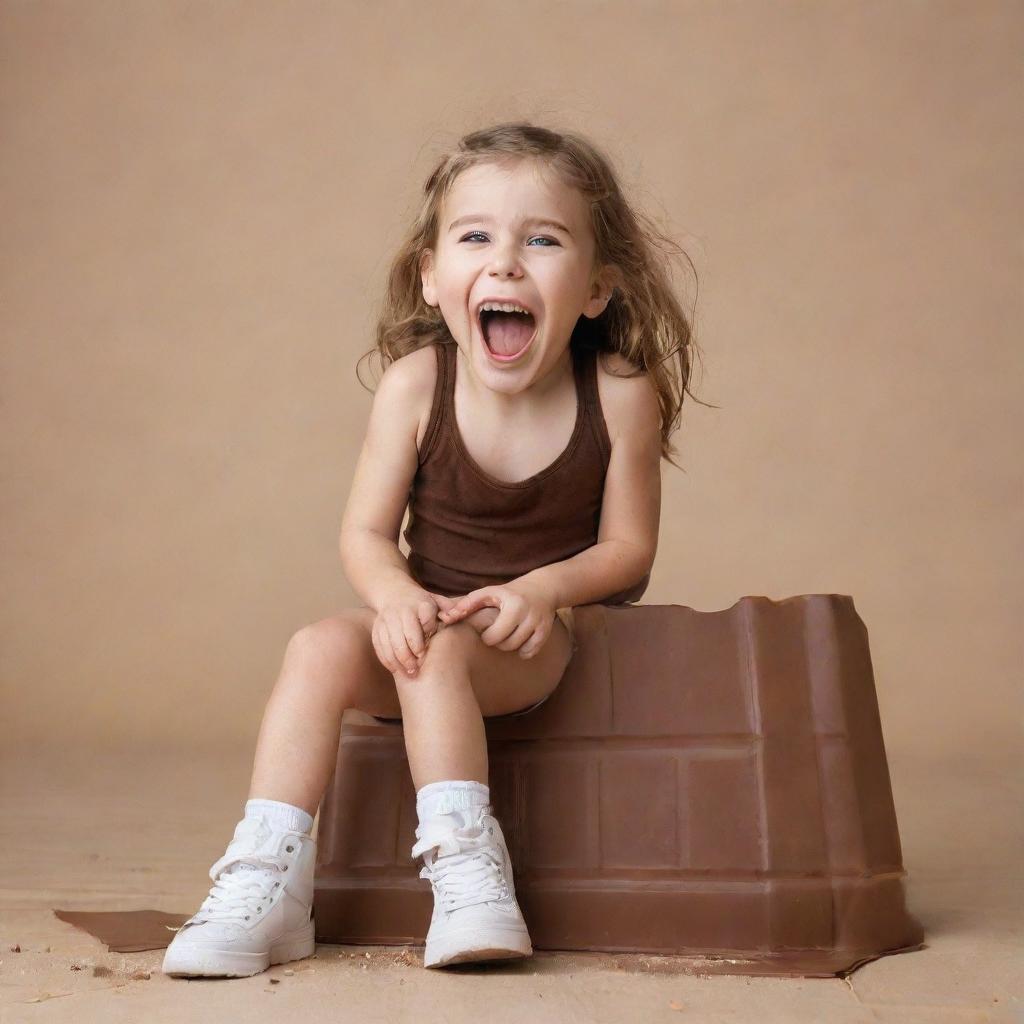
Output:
x=543 y=238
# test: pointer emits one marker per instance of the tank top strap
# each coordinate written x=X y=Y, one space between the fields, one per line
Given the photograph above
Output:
x=445 y=389
x=585 y=361
x=592 y=400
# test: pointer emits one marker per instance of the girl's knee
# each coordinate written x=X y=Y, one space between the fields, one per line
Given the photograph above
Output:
x=461 y=638
x=329 y=641
x=451 y=645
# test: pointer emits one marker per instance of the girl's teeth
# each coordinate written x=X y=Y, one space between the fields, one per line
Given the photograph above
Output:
x=503 y=307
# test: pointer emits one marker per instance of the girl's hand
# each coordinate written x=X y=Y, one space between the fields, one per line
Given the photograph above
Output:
x=525 y=617
x=404 y=625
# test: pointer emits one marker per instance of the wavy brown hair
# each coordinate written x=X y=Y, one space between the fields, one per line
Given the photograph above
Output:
x=643 y=321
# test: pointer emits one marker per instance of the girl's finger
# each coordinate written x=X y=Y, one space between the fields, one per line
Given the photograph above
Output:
x=405 y=658
x=442 y=602
x=413 y=633
x=532 y=646
x=519 y=636
x=383 y=647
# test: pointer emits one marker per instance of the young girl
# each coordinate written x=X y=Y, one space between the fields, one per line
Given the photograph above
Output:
x=532 y=471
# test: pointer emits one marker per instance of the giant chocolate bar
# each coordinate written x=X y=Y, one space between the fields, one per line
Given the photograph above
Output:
x=700 y=783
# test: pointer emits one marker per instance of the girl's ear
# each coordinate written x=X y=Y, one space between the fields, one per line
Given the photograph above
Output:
x=427 y=277
x=601 y=287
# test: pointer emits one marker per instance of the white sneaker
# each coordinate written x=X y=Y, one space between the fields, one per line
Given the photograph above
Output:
x=259 y=911
x=476 y=916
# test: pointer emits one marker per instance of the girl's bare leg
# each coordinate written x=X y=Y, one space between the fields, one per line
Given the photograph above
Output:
x=327 y=667
x=441 y=716
x=331 y=665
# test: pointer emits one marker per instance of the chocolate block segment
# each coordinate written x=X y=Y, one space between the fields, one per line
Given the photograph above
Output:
x=794 y=828
x=638 y=809
x=676 y=672
x=709 y=783
x=722 y=817
x=560 y=834
x=869 y=768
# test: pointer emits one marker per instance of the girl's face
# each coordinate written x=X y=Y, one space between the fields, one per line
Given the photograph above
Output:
x=514 y=232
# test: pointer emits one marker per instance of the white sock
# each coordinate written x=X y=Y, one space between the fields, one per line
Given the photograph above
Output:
x=438 y=798
x=277 y=815
x=280 y=815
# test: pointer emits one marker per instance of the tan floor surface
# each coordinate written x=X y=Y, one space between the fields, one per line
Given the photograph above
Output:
x=93 y=830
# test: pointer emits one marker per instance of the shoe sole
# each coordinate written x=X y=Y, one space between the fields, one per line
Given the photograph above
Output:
x=229 y=963
x=470 y=945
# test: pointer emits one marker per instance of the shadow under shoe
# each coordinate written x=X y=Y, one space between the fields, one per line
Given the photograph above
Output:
x=258 y=912
x=476 y=915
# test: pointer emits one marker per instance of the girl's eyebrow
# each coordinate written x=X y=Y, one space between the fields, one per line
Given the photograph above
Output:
x=530 y=222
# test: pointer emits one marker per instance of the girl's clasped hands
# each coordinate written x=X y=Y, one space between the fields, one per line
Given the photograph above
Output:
x=516 y=616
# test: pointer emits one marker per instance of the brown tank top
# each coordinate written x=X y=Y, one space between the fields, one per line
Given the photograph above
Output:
x=468 y=530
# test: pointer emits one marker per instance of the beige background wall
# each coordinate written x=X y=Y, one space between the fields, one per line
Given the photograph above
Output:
x=199 y=203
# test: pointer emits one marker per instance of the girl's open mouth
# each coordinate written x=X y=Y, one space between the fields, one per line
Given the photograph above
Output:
x=506 y=336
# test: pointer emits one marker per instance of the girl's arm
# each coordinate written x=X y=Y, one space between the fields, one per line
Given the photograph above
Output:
x=627 y=538
x=368 y=544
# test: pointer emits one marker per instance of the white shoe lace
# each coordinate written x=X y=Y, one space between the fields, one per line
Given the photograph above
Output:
x=242 y=879
x=238 y=895
x=466 y=869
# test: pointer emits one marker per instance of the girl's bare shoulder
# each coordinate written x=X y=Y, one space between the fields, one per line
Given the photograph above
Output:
x=626 y=393
x=418 y=372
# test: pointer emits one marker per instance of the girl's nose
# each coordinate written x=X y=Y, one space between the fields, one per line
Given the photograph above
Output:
x=505 y=262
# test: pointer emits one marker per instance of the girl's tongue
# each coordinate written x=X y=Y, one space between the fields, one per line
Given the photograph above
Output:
x=507 y=333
